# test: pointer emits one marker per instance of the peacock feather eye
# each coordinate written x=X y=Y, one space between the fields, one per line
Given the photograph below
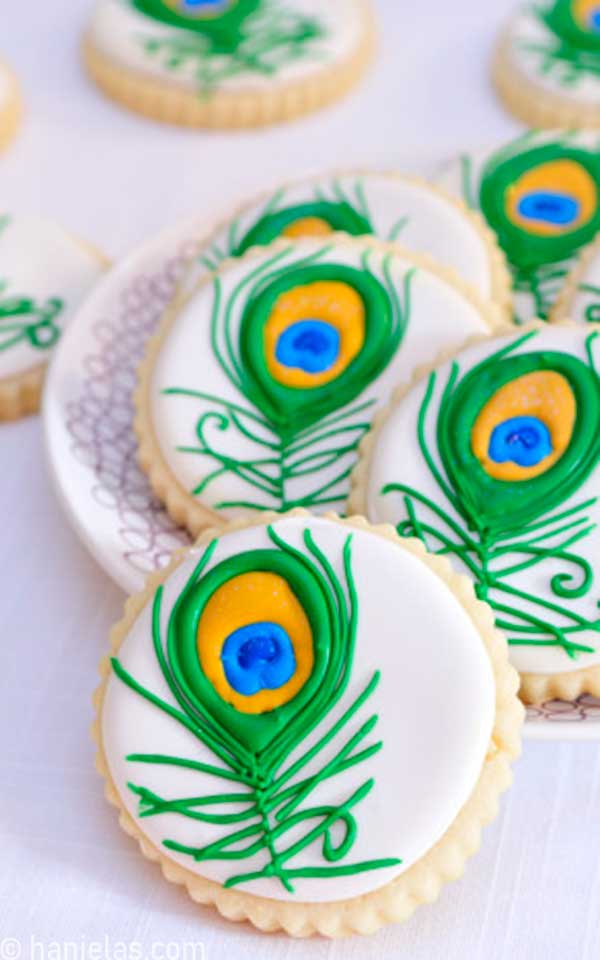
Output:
x=311 y=219
x=250 y=642
x=553 y=198
x=255 y=642
x=313 y=339
x=586 y=14
x=543 y=203
x=313 y=333
x=515 y=437
x=525 y=427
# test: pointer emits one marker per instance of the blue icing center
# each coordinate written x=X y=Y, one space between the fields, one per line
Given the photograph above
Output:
x=594 y=20
x=200 y=5
x=525 y=441
x=309 y=345
x=554 y=208
x=259 y=656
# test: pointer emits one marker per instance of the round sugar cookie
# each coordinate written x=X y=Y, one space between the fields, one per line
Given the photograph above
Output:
x=234 y=63
x=264 y=377
x=10 y=105
x=256 y=723
x=547 y=64
x=540 y=194
x=390 y=206
x=45 y=273
x=492 y=459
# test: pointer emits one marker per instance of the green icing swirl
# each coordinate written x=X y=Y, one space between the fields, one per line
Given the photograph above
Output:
x=24 y=320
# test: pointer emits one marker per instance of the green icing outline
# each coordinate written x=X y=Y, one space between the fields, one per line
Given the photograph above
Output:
x=538 y=265
x=272 y=780
x=526 y=251
x=482 y=536
x=339 y=216
x=223 y=30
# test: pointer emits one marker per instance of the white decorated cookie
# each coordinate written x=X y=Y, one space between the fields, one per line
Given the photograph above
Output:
x=264 y=377
x=492 y=460
x=389 y=206
x=10 y=105
x=256 y=723
x=44 y=275
x=540 y=194
x=227 y=62
x=547 y=66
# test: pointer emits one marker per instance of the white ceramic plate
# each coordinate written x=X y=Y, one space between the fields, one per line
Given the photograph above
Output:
x=88 y=412
x=92 y=450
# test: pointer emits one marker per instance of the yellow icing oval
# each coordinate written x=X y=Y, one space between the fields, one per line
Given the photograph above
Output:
x=582 y=11
x=562 y=177
x=331 y=301
x=307 y=227
x=254 y=598
x=544 y=394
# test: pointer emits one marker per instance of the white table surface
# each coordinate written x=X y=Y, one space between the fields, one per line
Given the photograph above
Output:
x=69 y=877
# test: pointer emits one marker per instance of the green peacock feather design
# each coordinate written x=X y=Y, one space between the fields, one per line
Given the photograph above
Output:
x=328 y=207
x=513 y=448
x=258 y=651
x=570 y=49
x=542 y=201
x=222 y=39
x=312 y=337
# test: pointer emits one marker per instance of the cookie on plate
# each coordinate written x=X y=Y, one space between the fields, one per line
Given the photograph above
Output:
x=540 y=194
x=492 y=459
x=387 y=205
x=44 y=275
x=10 y=105
x=257 y=723
x=547 y=64
x=227 y=63
x=264 y=377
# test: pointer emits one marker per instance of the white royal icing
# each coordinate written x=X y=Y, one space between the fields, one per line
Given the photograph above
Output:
x=440 y=316
x=397 y=457
x=462 y=177
x=120 y=31
x=44 y=272
x=398 y=208
x=435 y=673
x=531 y=45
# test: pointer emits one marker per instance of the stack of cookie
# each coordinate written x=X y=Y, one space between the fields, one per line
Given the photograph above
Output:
x=359 y=394
x=363 y=343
